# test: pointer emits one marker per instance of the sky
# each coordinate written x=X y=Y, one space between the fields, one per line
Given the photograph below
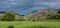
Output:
x=26 y=6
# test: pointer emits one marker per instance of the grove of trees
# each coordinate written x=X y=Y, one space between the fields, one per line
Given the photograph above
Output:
x=8 y=16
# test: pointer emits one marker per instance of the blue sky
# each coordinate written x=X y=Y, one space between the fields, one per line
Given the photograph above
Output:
x=25 y=6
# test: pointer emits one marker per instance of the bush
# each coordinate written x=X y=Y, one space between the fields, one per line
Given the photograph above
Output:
x=8 y=16
x=10 y=27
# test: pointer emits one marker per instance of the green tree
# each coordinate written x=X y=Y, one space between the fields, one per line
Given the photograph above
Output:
x=9 y=16
x=54 y=16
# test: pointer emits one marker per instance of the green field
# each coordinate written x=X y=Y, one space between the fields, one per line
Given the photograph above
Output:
x=29 y=24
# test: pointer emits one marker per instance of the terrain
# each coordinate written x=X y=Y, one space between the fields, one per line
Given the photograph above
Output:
x=29 y=24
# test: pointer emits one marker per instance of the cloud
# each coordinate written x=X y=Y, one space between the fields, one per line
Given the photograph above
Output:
x=54 y=3
x=37 y=8
x=29 y=5
x=11 y=3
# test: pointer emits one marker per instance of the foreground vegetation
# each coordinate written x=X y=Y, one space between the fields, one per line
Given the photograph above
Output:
x=29 y=24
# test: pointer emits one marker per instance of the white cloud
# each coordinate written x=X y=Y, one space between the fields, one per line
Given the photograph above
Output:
x=45 y=3
x=11 y=3
x=54 y=4
x=36 y=3
x=37 y=8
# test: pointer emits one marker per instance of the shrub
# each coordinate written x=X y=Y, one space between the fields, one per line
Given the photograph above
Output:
x=10 y=27
x=8 y=16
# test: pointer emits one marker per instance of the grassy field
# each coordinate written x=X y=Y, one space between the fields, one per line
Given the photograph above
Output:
x=29 y=24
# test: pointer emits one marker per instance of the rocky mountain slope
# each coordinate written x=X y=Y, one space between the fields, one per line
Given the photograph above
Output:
x=41 y=13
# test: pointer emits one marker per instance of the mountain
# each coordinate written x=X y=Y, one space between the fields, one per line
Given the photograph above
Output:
x=41 y=13
x=32 y=12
